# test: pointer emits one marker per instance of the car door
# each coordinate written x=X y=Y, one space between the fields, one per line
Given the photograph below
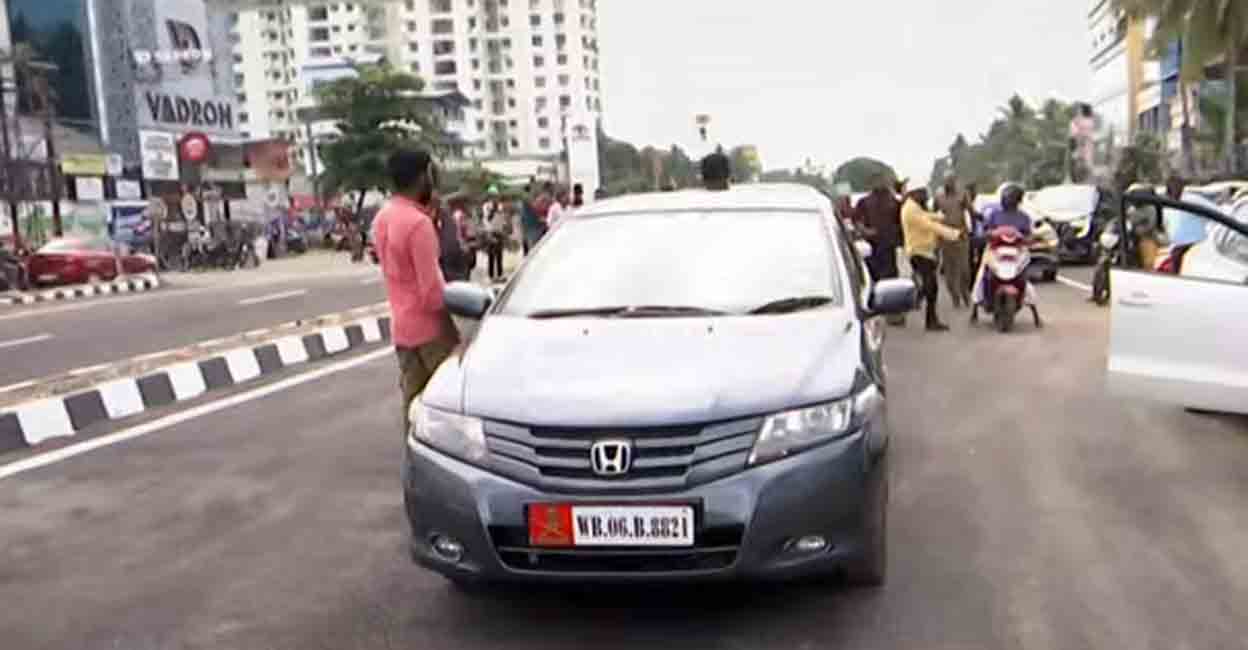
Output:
x=1178 y=338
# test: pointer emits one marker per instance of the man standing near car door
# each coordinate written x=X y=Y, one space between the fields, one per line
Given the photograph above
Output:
x=407 y=244
x=880 y=216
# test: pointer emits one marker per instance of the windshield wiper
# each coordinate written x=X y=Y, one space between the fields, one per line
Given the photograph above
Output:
x=792 y=304
x=630 y=311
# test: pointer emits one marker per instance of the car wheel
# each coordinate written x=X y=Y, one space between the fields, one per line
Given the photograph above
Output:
x=870 y=568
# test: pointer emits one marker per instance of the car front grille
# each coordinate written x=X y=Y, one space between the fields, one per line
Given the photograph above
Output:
x=664 y=459
x=716 y=549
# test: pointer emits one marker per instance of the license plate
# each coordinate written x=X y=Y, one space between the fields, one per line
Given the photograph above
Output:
x=556 y=525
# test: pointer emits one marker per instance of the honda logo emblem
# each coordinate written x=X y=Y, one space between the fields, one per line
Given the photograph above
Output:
x=611 y=457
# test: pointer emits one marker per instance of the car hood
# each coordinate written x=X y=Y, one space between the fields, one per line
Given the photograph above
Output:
x=644 y=372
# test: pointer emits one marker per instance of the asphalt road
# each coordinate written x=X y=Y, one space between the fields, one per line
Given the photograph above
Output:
x=47 y=339
x=1030 y=510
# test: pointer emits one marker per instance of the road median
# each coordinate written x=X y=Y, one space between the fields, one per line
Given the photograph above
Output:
x=38 y=411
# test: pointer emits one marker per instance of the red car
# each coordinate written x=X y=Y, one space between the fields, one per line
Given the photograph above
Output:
x=77 y=260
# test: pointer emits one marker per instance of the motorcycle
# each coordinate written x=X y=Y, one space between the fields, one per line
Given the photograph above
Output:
x=1109 y=255
x=1003 y=289
x=1043 y=253
x=13 y=274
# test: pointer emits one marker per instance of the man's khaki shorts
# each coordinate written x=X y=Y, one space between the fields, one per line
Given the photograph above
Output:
x=416 y=368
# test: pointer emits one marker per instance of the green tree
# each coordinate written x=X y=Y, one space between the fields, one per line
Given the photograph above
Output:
x=746 y=167
x=1211 y=31
x=375 y=115
x=1140 y=162
x=863 y=173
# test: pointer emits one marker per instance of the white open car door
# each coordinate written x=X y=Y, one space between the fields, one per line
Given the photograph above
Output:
x=1181 y=339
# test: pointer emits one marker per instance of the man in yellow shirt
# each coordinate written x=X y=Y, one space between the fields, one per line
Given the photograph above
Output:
x=924 y=231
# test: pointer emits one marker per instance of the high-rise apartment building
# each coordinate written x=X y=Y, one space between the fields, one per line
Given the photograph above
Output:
x=526 y=66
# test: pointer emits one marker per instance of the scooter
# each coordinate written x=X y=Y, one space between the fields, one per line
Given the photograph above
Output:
x=1003 y=289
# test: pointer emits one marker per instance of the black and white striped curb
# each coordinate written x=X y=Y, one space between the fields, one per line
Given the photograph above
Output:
x=31 y=423
x=131 y=284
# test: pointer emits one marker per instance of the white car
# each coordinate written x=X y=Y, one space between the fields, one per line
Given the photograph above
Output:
x=1179 y=338
x=1223 y=255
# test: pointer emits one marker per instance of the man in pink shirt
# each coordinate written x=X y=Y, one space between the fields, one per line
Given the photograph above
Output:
x=407 y=243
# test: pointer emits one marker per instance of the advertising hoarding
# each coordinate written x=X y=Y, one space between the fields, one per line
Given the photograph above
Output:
x=182 y=83
x=159 y=152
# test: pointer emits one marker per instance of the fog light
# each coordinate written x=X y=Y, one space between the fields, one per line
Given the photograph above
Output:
x=447 y=548
x=809 y=544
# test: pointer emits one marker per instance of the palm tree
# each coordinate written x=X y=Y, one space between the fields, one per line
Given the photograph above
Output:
x=1210 y=30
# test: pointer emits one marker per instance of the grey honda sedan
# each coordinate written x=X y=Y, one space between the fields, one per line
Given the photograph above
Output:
x=676 y=386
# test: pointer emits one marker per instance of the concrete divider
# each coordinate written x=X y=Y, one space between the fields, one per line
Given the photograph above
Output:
x=131 y=284
x=30 y=423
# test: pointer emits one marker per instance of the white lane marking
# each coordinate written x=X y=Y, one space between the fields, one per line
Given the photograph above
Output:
x=64 y=453
x=373 y=280
x=12 y=343
x=282 y=295
x=1072 y=283
x=23 y=384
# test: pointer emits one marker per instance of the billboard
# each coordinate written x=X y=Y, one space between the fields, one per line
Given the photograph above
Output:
x=183 y=80
x=582 y=139
x=159 y=152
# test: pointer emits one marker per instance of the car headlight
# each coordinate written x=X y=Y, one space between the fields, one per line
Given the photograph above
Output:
x=790 y=432
x=1109 y=239
x=456 y=435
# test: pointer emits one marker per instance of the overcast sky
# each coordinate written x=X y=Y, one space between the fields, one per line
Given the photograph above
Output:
x=833 y=79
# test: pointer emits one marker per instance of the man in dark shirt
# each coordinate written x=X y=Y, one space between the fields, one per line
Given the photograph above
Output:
x=880 y=214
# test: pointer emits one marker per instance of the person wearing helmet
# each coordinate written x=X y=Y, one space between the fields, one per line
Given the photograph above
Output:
x=1010 y=214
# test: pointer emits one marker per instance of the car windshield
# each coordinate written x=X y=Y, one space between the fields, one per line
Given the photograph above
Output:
x=714 y=261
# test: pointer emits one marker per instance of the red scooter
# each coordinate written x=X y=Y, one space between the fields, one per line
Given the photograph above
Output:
x=1003 y=288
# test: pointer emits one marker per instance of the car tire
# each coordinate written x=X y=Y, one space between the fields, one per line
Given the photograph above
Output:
x=870 y=568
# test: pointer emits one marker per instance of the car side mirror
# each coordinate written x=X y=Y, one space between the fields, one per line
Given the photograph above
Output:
x=893 y=296
x=863 y=247
x=467 y=300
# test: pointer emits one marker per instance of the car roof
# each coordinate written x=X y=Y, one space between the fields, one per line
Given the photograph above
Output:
x=750 y=196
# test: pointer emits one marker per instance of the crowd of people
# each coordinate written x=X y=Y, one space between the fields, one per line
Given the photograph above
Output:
x=946 y=242
x=495 y=223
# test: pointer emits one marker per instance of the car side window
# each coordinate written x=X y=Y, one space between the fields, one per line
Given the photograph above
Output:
x=853 y=262
x=1185 y=241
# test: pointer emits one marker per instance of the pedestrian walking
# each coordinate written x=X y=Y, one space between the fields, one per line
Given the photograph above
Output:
x=578 y=195
x=493 y=218
x=978 y=240
x=558 y=209
x=716 y=171
x=923 y=232
x=530 y=225
x=955 y=256
x=408 y=251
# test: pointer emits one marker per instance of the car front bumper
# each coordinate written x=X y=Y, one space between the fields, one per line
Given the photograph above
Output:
x=745 y=523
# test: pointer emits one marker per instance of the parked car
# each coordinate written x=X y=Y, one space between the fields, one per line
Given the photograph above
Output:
x=1076 y=214
x=1223 y=255
x=1176 y=337
x=638 y=404
x=73 y=260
